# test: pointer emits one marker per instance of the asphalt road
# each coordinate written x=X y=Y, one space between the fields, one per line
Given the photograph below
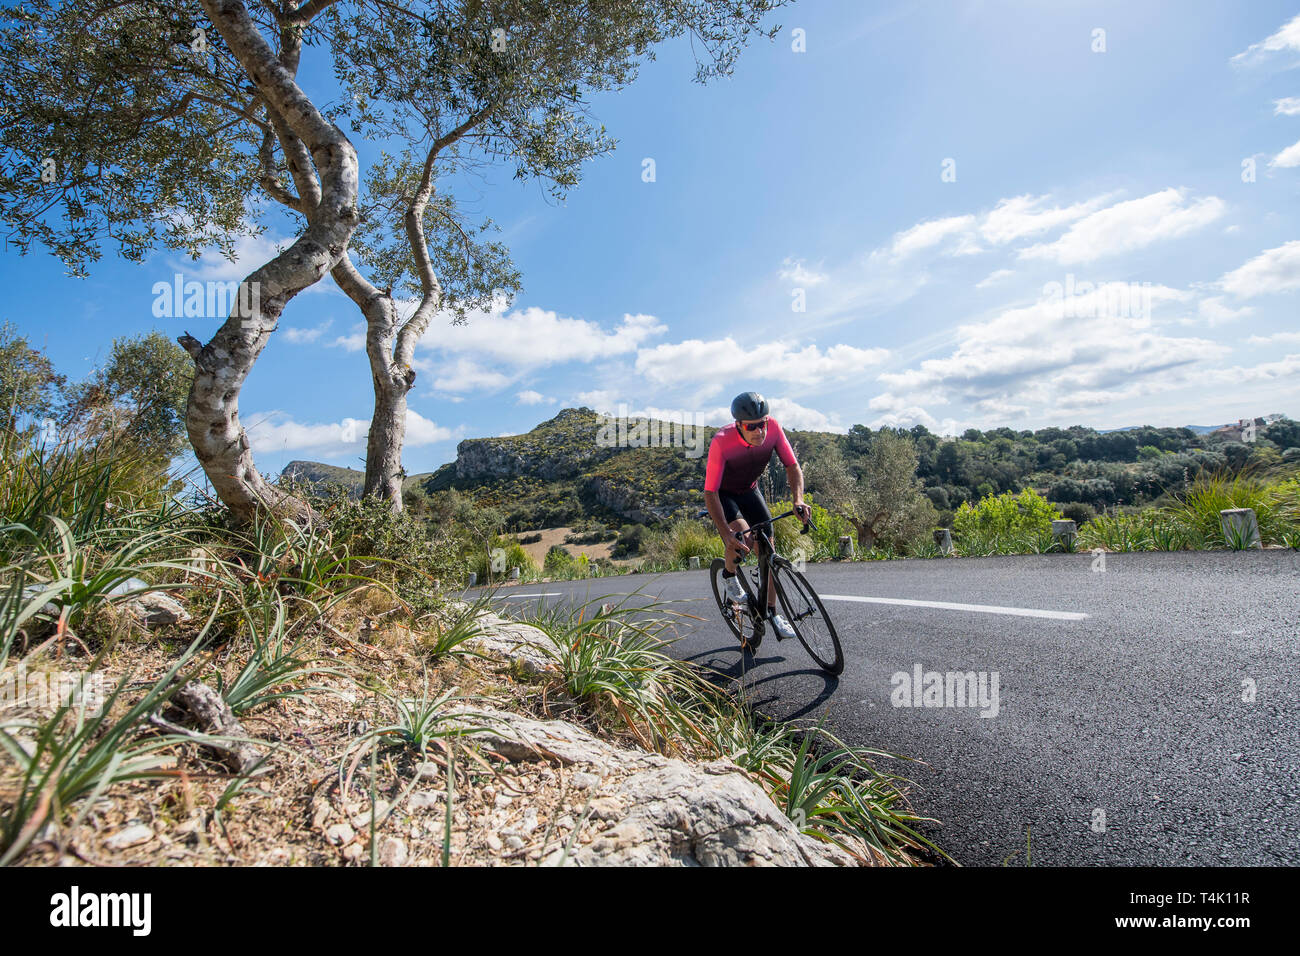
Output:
x=1147 y=713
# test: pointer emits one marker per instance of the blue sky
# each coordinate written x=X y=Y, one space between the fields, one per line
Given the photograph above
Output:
x=899 y=224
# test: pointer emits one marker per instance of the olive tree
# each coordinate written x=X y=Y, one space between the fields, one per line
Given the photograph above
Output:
x=464 y=84
x=176 y=110
x=879 y=494
x=29 y=385
x=141 y=122
x=141 y=393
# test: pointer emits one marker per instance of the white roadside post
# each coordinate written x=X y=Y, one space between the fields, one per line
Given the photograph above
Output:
x=1240 y=525
x=1064 y=531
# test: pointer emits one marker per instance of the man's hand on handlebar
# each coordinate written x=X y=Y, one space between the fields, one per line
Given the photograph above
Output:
x=804 y=513
x=735 y=541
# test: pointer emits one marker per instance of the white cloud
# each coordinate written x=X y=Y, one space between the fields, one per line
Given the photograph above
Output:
x=992 y=277
x=793 y=415
x=276 y=431
x=1048 y=356
x=599 y=399
x=1284 y=368
x=530 y=397
x=465 y=375
x=1273 y=270
x=354 y=341
x=1288 y=158
x=422 y=431
x=694 y=360
x=786 y=411
x=1216 y=313
x=1023 y=216
x=1286 y=38
x=1130 y=225
x=533 y=337
x=1277 y=338
x=795 y=271
x=301 y=336
x=1287 y=106
x=924 y=235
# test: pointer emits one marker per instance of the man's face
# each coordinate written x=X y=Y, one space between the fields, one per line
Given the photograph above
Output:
x=754 y=431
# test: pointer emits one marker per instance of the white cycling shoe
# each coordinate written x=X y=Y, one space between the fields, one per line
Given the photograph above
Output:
x=782 y=627
x=731 y=586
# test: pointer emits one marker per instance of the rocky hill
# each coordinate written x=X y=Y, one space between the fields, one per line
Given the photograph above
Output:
x=566 y=469
x=349 y=479
x=581 y=466
x=584 y=465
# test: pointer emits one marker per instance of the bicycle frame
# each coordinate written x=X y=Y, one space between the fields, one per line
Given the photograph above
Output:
x=766 y=553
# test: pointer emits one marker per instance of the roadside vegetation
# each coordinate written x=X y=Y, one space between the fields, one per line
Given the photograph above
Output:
x=1022 y=524
x=347 y=618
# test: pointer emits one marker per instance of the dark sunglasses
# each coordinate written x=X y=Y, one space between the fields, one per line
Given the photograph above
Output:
x=753 y=426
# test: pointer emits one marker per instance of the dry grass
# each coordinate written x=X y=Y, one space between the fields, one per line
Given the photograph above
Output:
x=293 y=814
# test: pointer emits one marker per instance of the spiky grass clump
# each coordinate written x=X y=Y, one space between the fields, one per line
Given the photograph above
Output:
x=613 y=669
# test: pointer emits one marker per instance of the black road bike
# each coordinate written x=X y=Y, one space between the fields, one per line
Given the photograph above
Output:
x=795 y=595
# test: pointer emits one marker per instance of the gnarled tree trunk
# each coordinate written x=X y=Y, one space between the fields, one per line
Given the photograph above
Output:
x=221 y=366
x=392 y=377
x=390 y=345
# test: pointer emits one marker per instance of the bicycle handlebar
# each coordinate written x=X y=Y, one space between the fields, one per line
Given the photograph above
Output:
x=789 y=514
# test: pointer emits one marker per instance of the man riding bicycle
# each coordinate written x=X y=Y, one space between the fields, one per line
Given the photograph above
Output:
x=738 y=455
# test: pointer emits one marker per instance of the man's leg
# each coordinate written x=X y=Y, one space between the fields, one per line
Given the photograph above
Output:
x=753 y=507
x=762 y=555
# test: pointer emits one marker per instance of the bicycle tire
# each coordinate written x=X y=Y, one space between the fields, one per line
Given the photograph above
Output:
x=739 y=620
x=807 y=615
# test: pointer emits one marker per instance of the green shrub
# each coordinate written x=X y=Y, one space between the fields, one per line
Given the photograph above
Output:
x=1200 y=505
x=1005 y=515
x=1080 y=512
x=411 y=552
x=824 y=537
x=558 y=560
x=631 y=537
x=683 y=539
x=1118 y=532
x=515 y=557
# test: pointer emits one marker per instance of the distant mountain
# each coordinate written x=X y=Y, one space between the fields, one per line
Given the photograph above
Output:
x=581 y=465
x=1198 y=429
x=350 y=479
x=584 y=465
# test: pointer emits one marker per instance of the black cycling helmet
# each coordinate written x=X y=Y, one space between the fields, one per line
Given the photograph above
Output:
x=749 y=407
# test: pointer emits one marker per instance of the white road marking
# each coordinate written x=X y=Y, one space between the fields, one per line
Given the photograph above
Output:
x=539 y=594
x=947 y=606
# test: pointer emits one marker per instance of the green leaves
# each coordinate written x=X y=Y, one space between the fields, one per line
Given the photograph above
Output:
x=104 y=140
x=1006 y=514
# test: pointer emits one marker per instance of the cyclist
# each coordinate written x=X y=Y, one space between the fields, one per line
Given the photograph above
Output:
x=738 y=454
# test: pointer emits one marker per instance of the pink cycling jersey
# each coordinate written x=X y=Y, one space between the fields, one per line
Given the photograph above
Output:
x=734 y=464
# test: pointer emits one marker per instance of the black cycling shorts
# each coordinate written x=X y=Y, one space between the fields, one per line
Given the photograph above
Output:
x=749 y=504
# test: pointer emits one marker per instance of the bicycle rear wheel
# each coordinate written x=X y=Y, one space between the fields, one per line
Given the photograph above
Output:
x=806 y=614
x=738 y=616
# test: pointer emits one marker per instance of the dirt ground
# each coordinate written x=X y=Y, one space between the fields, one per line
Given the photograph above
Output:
x=552 y=536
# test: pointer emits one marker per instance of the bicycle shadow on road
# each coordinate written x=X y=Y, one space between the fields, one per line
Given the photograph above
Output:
x=735 y=676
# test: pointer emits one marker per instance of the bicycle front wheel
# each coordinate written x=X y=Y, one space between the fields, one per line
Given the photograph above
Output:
x=738 y=617
x=806 y=614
